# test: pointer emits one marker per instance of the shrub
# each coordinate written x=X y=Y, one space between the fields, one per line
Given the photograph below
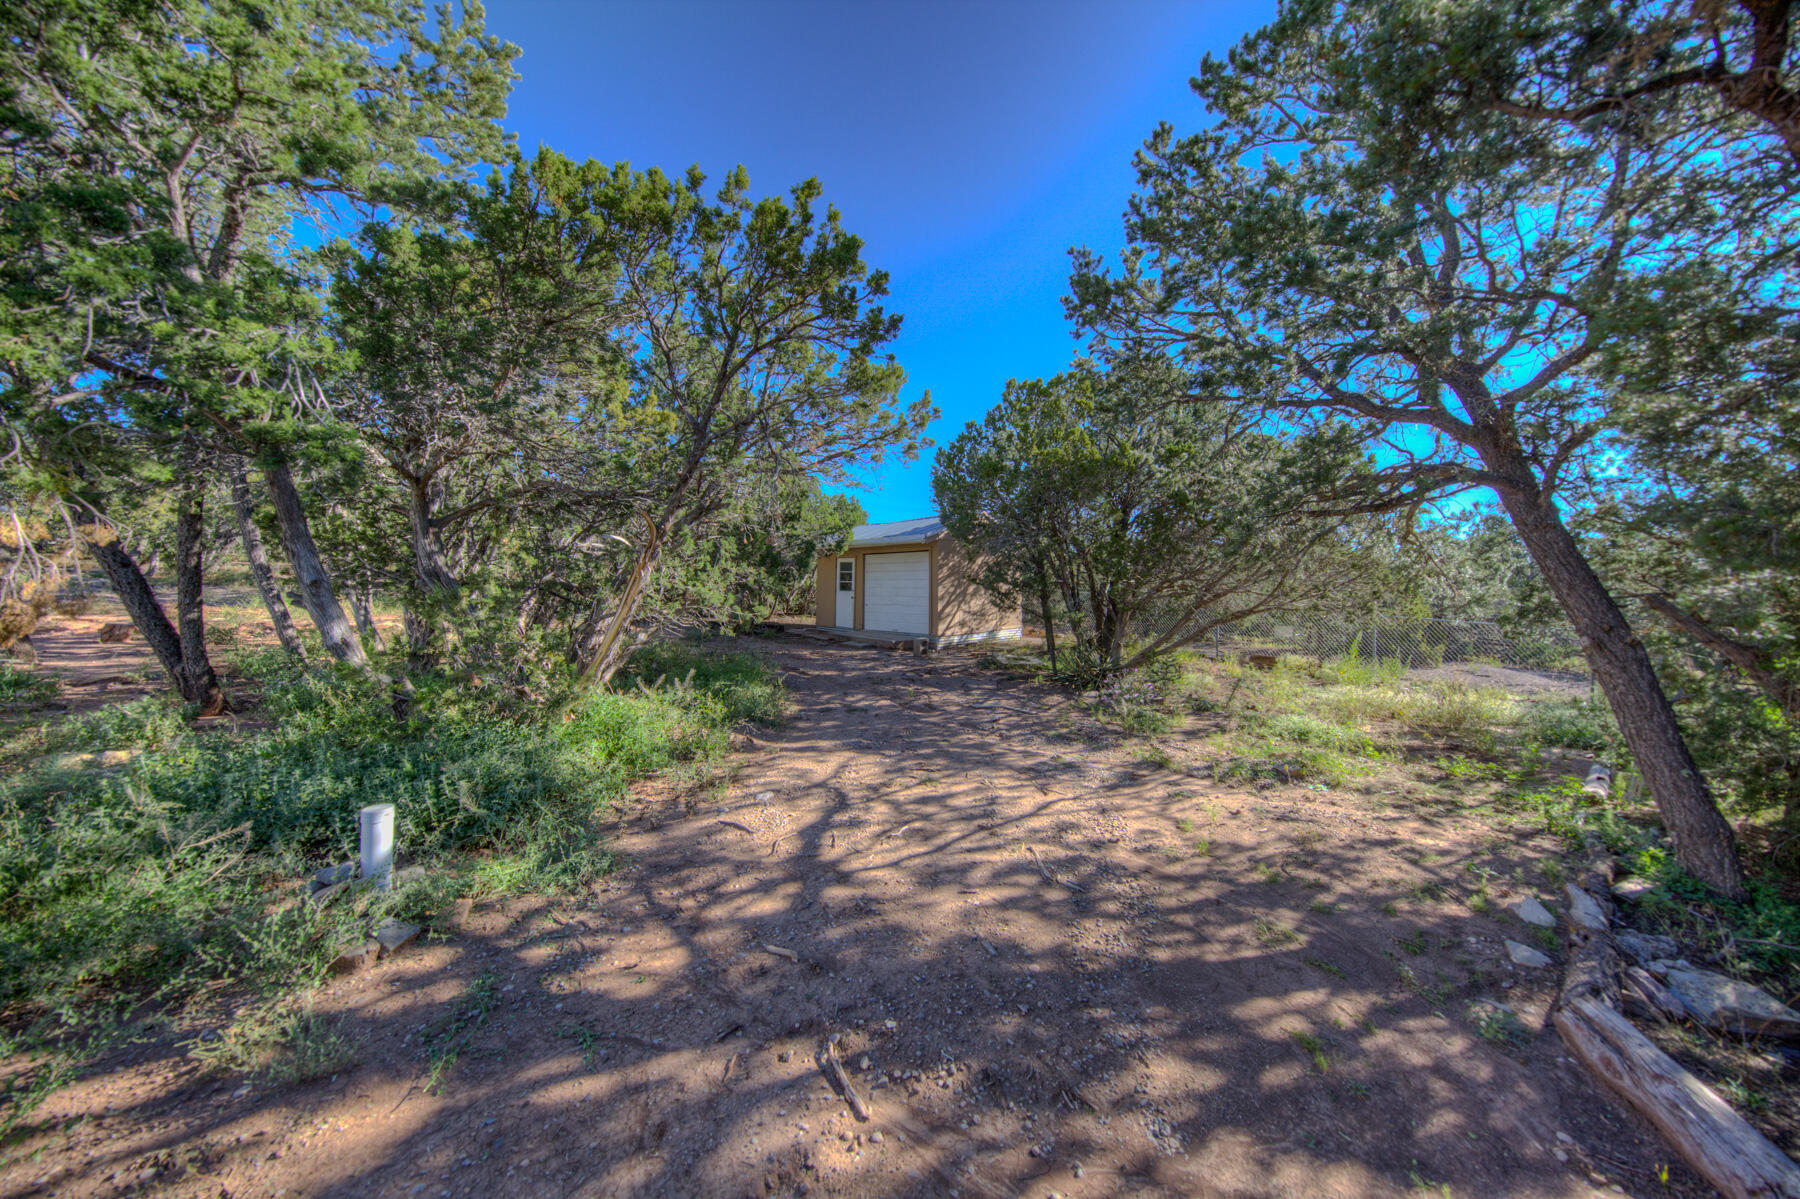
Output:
x=1458 y=710
x=1575 y=723
x=1301 y=728
x=185 y=866
x=1355 y=671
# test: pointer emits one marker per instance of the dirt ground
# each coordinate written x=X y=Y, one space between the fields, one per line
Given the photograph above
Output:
x=1053 y=964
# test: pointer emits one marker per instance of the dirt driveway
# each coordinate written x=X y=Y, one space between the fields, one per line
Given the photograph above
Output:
x=1053 y=964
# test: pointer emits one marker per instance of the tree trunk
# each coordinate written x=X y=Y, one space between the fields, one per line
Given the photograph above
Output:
x=418 y=638
x=133 y=590
x=260 y=570
x=199 y=685
x=360 y=596
x=428 y=546
x=316 y=592
x=1043 y=579
x=1703 y=840
x=605 y=649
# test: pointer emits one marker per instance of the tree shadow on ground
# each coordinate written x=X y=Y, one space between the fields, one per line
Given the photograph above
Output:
x=1039 y=978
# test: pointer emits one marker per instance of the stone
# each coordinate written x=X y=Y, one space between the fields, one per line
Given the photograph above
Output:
x=408 y=875
x=1525 y=955
x=1644 y=948
x=353 y=958
x=1631 y=889
x=1727 y=1005
x=1644 y=997
x=1532 y=912
x=395 y=935
x=115 y=631
x=343 y=872
x=325 y=895
x=1584 y=912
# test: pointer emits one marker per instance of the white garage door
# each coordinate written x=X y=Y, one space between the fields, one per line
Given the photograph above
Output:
x=897 y=593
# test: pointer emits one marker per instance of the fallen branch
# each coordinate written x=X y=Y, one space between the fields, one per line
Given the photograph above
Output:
x=839 y=1078
x=779 y=952
x=1045 y=871
x=1717 y=1142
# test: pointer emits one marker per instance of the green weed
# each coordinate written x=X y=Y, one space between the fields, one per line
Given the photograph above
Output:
x=1496 y=1024
x=283 y=1041
x=1314 y=1047
x=445 y=1043
x=1272 y=934
x=183 y=867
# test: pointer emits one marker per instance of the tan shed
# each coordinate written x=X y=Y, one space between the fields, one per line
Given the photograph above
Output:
x=909 y=578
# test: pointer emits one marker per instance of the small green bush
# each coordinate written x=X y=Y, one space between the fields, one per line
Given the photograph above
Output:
x=1458 y=710
x=1575 y=723
x=23 y=686
x=1301 y=728
x=185 y=865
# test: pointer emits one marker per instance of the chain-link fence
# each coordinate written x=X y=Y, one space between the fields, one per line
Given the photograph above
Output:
x=1414 y=643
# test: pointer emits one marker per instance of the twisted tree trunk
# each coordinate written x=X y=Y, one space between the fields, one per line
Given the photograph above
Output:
x=361 y=594
x=199 y=684
x=605 y=648
x=260 y=570
x=133 y=589
x=316 y=591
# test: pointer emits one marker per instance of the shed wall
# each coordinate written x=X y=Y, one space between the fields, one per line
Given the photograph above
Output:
x=964 y=608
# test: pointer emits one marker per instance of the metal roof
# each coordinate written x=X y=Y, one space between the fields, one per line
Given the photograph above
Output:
x=897 y=532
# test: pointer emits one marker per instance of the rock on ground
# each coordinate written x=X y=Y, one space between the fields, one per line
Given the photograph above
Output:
x=1525 y=955
x=1727 y=1005
x=1532 y=912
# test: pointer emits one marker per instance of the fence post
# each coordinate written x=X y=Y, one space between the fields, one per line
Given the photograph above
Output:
x=1374 y=645
x=377 y=844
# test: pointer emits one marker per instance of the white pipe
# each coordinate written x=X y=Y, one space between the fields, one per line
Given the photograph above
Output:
x=377 y=826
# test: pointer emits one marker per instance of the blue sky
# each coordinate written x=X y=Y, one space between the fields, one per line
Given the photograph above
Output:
x=968 y=144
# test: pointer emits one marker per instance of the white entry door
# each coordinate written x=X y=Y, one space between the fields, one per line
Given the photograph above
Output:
x=846 y=593
x=897 y=593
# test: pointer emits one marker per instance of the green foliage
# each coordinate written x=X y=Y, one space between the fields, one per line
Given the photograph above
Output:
x=183 y=867
x=284 y=1041
x=1352 y=670
x=1761 y=934
x=759 y=557
x=148 y=723
x=1356 y=238
x=1144 y=520
x=445 y=1041
x=1494 y=1023
x=1569 y=724
x=23 y=686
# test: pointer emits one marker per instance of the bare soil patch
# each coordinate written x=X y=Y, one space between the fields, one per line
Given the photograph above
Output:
x=1052 y=965
x=1514 y=679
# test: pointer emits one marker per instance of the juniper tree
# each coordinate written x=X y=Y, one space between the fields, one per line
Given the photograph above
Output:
x=1149 y=519
x=1349 y=253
